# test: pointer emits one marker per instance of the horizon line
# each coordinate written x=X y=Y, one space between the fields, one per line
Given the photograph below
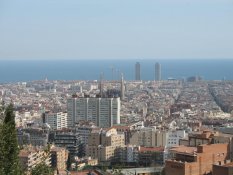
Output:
x=106 y=59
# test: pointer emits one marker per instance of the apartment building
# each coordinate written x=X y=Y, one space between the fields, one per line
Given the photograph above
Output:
x=33 y=136
x=151 y=156
x=174 y=137
x=208 y=137
x=196 y=160
x=84 y=129
x=31 y=156
x=103 y=143
x=124 y=129
x=149 y=137
x=59 y=157
x=56 y=120
x=69 y=139
x=103 y=112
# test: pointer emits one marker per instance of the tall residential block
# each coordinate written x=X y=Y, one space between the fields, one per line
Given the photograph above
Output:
x=137 y=71
x=157 y=72
x=103 y=112
x=56 y=120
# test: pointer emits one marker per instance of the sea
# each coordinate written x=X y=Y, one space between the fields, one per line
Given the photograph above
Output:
x=12 y=71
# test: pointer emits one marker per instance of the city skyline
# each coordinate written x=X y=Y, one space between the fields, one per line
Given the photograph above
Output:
x=111 y=69
x=116 y=29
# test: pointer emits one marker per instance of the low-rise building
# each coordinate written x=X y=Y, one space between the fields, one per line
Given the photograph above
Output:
x=33 y=136
x=69 y=139
x=189 y=161
x=149 y=137
x=152 y=156
x=31 y=156
x=103 y=143
x=226 y=169
x=127 y=155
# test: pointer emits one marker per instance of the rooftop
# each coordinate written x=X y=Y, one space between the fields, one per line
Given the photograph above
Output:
x=228 y=164
x=151 y=149
x=184 y=150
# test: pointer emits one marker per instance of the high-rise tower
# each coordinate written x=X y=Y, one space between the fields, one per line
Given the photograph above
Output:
x=122 y=87
x=104 y=112
x=101 y=85
x=157 y=72
x=137 y=71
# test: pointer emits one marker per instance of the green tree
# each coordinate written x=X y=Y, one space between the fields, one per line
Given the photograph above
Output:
x=42 y=168
x=9 y=150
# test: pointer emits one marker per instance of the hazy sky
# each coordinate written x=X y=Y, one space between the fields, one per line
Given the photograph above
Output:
x=80 y=29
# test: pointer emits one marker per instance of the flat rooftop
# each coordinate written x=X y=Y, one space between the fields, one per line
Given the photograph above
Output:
x=184 y=150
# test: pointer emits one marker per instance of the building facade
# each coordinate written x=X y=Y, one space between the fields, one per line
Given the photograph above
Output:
x=226 y=169
x=103 y=112
x=32 y=136
x=103 y=143
x=197 y=162
x=137 y=71
x=69 y=139
x=149 y=137
x=157 y=72
x=127 y=155
x=174 y=137
x=59 y=157
x=31 y=156
x=56 y=120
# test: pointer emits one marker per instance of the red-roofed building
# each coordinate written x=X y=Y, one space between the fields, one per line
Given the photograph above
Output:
x=197 y=162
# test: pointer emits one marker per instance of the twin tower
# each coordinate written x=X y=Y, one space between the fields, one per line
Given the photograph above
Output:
x=157 y=71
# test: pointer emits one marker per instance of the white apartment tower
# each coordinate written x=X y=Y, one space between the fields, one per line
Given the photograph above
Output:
x=104 y=112
x=56 y=120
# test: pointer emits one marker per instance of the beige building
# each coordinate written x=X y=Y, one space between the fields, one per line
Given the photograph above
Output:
x=149 y=137
x=103 y=143
x=31 y=156
x=59 y=157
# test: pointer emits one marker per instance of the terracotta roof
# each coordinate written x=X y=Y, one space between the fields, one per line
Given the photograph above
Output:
x=24 y=153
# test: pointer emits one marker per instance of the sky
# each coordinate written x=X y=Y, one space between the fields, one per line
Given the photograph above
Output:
x=116 y=29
